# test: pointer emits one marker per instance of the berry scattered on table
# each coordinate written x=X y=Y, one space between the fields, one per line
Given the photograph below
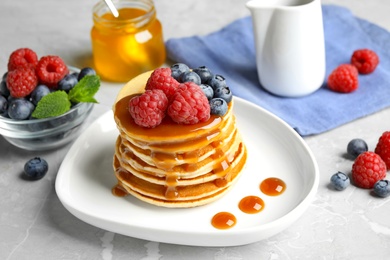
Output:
x=35 y=168
x=20 y=109
x=148 y=109
x=382 y=188
x=218 y=106
x=21 y=82
x=22 y=58
x=161 y=79
x=177 y=69
x=367 y=169
x=340 y=181
x=50 y=70
x=189 y=105
x=365 y=60
x=383 y=148
x=343 y=79
x=356 y=146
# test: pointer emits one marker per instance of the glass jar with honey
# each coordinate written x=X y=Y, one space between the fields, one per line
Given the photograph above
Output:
x=128 y=45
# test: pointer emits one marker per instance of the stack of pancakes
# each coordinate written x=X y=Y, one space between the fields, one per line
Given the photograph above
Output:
x=176 y=165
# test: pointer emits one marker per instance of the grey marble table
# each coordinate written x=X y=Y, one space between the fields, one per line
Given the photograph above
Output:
x=35 y=225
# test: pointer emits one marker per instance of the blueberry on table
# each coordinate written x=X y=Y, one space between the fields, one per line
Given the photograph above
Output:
x=190 y=76
x=177 y=69
x=35 y=168
x=86 y=71
x=20 y=109
x=356 y=147
x=204 y=73
x=38 y=93
x=340 y=181
x=382 y=188
x=218 y=106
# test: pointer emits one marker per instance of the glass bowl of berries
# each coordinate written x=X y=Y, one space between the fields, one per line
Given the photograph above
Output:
x=43 y=102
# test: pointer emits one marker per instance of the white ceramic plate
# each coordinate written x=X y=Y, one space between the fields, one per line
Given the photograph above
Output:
x=86 y=177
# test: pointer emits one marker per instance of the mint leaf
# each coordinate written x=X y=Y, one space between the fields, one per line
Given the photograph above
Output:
x=85 y=89
x=53 y=104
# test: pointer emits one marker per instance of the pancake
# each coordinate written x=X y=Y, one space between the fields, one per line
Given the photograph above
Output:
x=172 y=165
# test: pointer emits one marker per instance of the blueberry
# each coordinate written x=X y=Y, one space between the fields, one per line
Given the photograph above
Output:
x=207 y=90
x=68 y=82
x=35 y=168
x=218 y=106
x=177 y=69
x=5 y=76
x=217 y=81
x=86 y=71
x=20 y=109
x=224 y=93
x=38 y=93
x=3 y=89
x=356 y=147
x=190 y=76
x=204 y=73
x=382 y=188
x=340 y=181
x=3 y=105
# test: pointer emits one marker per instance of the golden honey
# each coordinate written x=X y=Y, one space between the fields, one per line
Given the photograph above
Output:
x=128 y=45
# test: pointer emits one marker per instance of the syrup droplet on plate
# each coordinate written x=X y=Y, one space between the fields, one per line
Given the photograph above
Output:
x=272 y=186
x=251 y=204
x=223 y=220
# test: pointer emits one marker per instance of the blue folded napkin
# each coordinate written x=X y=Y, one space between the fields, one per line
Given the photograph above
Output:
x=230 y=52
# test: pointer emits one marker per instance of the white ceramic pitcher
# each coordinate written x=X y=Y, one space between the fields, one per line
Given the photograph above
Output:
x=290 y=47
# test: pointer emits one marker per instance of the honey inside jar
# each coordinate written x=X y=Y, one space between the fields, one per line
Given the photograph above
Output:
x=128 y=45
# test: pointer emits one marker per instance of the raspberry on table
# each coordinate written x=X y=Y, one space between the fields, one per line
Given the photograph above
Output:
x=148 y=109
x=189 y=105
x=367 y=169
x=50 y=70
x=365 y=60
x=343 y=79
x=22 y=58
x=383 y=148
x=21 y=82
x=161 y=79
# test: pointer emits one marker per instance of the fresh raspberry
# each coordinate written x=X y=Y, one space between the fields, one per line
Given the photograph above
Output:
x=148 y=109
x=161 y=79
x=383 y=148
x=343 y=79
x=367 y=169
x=189 y=105
x=365 y=60
x=21 y=82
x=50 y=70
x=22 y=58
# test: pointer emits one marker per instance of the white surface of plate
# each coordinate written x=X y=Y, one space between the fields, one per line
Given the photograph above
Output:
x=85 y=179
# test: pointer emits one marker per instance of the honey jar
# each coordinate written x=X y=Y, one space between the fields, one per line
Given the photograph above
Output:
x=128 y=45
